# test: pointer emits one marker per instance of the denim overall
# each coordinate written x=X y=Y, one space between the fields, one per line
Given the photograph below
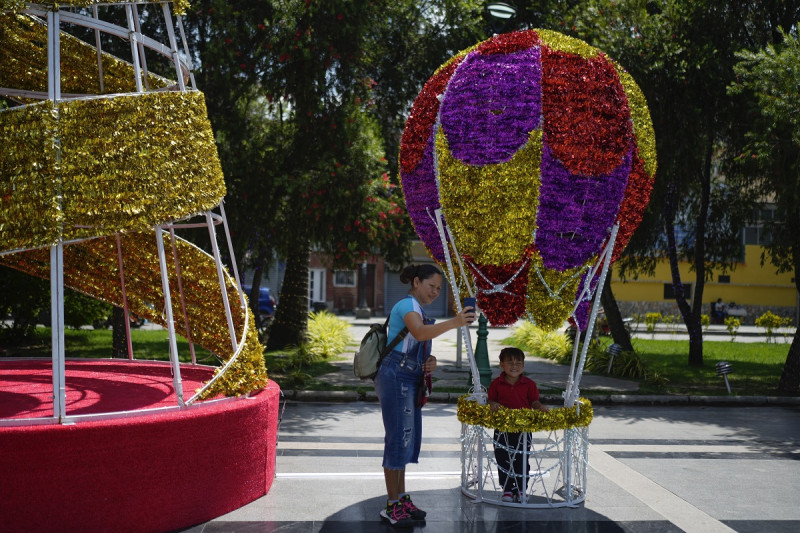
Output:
x=397 y=385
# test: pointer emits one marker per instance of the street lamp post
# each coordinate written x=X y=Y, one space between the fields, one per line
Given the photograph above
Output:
x=362 y=311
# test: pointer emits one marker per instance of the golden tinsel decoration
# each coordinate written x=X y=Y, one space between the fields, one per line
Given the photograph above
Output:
x=524 y=420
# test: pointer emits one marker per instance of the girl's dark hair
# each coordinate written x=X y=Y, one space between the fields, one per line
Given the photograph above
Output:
x=511 y=354
x=422 y=272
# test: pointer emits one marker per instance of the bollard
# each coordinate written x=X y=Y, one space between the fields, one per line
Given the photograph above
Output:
x=613 y=350
x=482 y=353
x=723 y=369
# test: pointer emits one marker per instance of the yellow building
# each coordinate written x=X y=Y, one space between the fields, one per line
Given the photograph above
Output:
x=754 y=287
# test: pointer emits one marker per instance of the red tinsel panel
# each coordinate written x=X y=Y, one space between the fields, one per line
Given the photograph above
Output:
x=586 y=115
x=419 y=125
x=502 y=308
x=509 y=42
x=637 y=195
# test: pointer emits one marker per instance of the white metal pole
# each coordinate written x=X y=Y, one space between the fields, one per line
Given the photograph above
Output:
x=568 y=462
x=606 y=258
x=173 y=345
x=173 y=45
x=142 y=58
x=180 y=291
x=54 y=56
x=124 y=298
x=57 y=251
x=477 y=388
x=57 y=330
x=137 y=72
x=230 y=251
x=186 y=51
x=221 y=276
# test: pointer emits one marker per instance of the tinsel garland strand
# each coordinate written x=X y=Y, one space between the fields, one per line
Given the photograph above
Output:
x=23 y=54
x=92 y=267
x=524 y=420
x=126 y=163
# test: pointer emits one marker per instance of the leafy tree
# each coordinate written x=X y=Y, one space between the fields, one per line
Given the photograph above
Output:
x=22 y=299
x=682 y=53
x=290 y=100
x=408 y=44
x=768 y=161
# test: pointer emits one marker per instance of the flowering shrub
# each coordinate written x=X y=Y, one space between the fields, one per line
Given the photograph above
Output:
x=733 y=324
x=328 y=335
x=770 y=322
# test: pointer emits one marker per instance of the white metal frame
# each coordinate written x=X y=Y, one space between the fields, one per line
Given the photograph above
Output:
x=558 y=478
x=557 y=474
x=183 y=68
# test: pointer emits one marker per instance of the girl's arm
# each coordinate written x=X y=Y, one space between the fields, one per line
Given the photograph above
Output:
x=424 y=332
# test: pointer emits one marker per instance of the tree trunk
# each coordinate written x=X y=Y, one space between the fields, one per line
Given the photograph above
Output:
x=119 y=335
x=291 y=317
x=618 y=331
x=790 y=377
x=690 y=318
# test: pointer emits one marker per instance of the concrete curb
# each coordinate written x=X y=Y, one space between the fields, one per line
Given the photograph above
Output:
x=596 y=399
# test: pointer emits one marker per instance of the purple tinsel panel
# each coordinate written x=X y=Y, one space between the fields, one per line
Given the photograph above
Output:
x=422 y=199
x=491 y=105
x=575 y=211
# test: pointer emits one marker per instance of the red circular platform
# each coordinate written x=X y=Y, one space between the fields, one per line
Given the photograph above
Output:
x=151 y=471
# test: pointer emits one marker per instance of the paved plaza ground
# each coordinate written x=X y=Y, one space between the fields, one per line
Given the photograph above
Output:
x=686 y=465
x=651 y=469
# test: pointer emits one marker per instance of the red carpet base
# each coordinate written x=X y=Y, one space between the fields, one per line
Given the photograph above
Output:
x=152 y=472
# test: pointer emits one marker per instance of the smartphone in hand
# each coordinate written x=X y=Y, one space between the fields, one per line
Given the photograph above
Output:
x=470 y=302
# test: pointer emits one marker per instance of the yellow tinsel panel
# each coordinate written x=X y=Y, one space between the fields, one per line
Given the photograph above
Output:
x=15 y=5
x=525 y=420
x=550 y=302
x=30 y=212
x=126 y=163
x=502 y=197
x=23 y=54
x=565 y=43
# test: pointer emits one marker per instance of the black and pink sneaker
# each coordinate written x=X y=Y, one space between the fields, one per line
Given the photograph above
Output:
x=396 y=515
x=413 y=511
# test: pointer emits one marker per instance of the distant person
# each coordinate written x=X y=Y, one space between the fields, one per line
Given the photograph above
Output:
x=399 y=383
x=513 y=390
x=718 y=311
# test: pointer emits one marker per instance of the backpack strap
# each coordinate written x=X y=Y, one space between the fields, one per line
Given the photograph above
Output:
x=400 y=336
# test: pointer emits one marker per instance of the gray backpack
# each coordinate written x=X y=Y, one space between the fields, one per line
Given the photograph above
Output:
x=373 y=349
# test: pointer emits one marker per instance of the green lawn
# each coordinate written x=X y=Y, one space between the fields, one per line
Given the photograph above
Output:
x=756 y=367
x=96 y=343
